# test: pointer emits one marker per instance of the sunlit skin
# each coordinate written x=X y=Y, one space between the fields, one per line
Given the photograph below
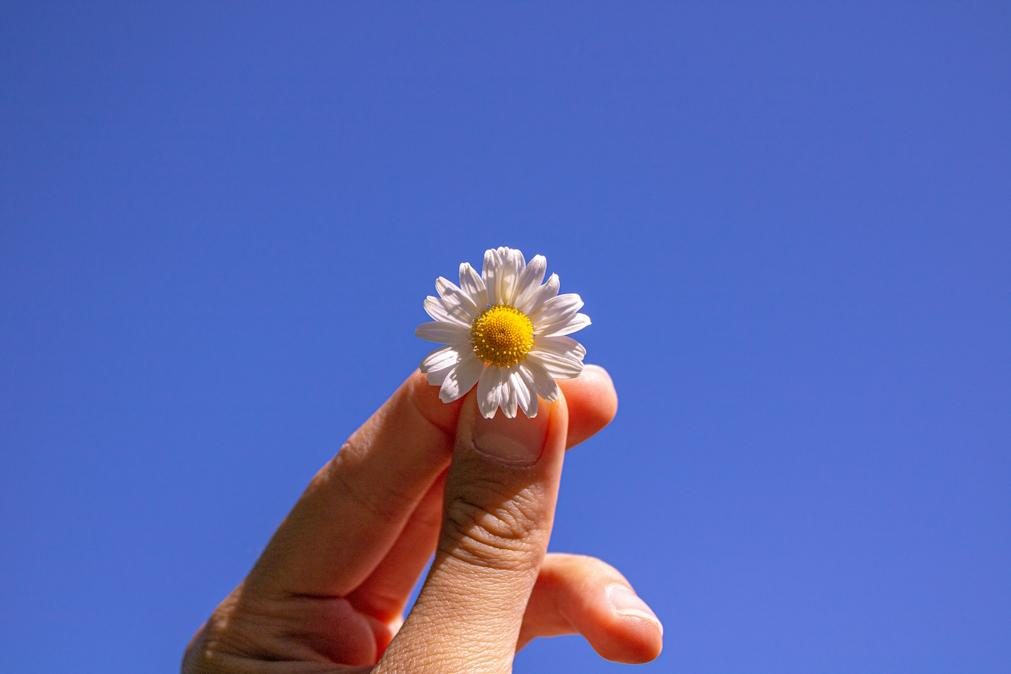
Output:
x=329 y=591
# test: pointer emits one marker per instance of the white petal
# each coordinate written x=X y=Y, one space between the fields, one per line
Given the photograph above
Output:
x=509 y=270
x=448 y=289
x=461 y=379
x=443 y=332
x=528 y=379
x=452 y=296
x=511 y=393
x=557 y=310
x=472 y=284
x=465 y=311
x=544 y=293
x=542 y=381
x=561 y=345
x=521 y=393
x=488 y=392
x=519 y=256
x=490 y=273
x=530 y=280
x=439 y=376
x=435 y=308
x=441 y=359
x=506 y=394
x=557 y=365
x=576 y=323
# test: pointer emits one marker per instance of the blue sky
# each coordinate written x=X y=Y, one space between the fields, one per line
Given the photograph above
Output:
x=789 y=221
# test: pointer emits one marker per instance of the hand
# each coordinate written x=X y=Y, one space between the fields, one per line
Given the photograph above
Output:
x=329 y=591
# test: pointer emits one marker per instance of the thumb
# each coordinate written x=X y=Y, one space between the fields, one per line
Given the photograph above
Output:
x=500 y=503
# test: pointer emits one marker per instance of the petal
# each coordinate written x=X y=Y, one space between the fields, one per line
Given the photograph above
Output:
x=490 y=274
x=541 y=295
x=565 y=346
x=452 y=296
x=488 y=392
x=520 y=257
x=511 y=393
x=472 y=284
x=440 y=359
x=557 y=365
x=528 y=380
x=557 y=310
x=449 y=290
x=510 y=267
x=438 y=310
x=542 y=382
x=438 y=377
x=461 y=379
x=521 y=393
x=530 y=280
x=443 y=332
x=576 y=323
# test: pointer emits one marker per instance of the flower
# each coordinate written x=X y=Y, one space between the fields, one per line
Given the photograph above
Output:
x=505 y=331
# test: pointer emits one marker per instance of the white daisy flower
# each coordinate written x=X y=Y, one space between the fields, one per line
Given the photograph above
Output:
x=505 y=331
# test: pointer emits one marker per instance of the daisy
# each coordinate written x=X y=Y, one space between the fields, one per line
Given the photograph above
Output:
x=505 y=331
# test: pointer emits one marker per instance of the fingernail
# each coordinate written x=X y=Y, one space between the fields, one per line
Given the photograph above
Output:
x=627 y=603
x=516 y=442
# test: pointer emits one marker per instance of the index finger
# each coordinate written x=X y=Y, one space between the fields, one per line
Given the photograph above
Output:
x=357 y=505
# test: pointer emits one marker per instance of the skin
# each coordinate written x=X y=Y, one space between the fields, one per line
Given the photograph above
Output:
x=329 y=591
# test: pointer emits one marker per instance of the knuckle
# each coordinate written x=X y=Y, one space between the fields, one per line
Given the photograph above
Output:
x=239 y=633
x=210 y=651
x=493 y=529
x=340 y=477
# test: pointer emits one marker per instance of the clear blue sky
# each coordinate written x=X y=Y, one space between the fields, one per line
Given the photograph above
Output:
x=791 y=223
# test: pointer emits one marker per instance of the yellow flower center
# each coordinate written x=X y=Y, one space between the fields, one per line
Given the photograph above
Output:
x=502 y=335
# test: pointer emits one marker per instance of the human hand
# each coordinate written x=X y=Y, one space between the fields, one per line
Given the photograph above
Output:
x=327 y=595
